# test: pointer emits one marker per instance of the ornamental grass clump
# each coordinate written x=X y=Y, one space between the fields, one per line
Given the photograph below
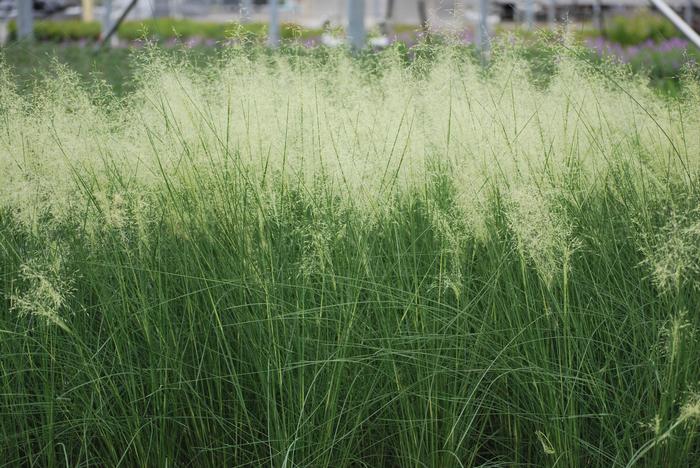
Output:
x=317 y=258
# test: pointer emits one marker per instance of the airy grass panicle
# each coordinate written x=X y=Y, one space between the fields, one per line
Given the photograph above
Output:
x=674 y=253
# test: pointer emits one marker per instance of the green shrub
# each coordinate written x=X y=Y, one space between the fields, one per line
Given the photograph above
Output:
x=163 y=28
x=405 y=28
x=294 y=31
x=60 y=31
x=160 y=29
x=641 y=27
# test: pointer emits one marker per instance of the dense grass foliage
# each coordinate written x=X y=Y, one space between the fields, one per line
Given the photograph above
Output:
x=319 y=260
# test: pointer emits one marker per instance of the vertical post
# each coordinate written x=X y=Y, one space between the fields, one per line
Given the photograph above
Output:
x=688 y=12
x=161 y=8
x=388 y=16
x=273 y=36
x=377 y=11
x=106 y=36
x=106 y=17
x=597 y=15
x=552 y=13
x=482 y=32
x=88 y=10
x=246 y=7
x=25 y=19
x=423 y=15
x=356 y=23
x=530 y=13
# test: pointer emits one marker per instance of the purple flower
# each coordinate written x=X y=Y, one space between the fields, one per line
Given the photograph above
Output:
x=467 y=37
x=193 y=42
x=668 y=55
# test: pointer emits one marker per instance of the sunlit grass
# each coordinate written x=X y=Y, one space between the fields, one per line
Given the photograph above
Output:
x=322 y=260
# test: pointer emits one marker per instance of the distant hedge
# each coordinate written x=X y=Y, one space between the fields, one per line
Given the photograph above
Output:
x=60 y=31
x=638 y=28
x=167 y=28
x=159 y=29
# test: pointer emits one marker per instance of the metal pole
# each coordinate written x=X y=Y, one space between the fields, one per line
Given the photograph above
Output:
x=423 y=15
x=389 y=10
x=273 y=36
x=388 y=16
x=107 y=16
x=25 y=19
x=483 y=29
x=688 y=12
x=246 y=7
x=114 y=26
x=377 y=11
x=107 y=20
x=530 y=13
x=356 y=23
x=677 y=21
x=161 y=8
x=597 y=15
x=552 y=13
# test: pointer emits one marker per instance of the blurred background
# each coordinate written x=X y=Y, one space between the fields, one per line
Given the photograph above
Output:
x=315 y=13
x=654 y=38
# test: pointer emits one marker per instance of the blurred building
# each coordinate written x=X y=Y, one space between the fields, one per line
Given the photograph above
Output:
x=314 y=13
x=317 y=12
x=306 y=12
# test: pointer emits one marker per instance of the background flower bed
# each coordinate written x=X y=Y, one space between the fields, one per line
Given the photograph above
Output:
x=663 y=62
